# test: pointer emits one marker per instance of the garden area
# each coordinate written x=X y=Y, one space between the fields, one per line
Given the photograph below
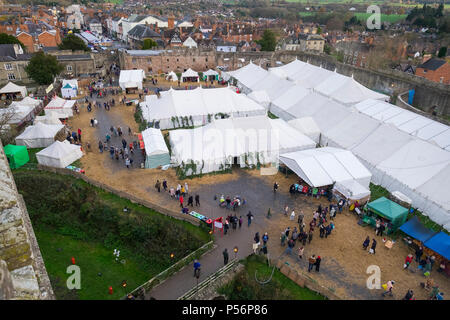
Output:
x=73 y=219
x=245 y=287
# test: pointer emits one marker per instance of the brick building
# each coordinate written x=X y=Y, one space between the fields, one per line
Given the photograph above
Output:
x=436 y=70
x=178 y=60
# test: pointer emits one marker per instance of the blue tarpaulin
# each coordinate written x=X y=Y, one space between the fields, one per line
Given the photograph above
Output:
x=440 y=243
x=411 y=96
x=414 y=228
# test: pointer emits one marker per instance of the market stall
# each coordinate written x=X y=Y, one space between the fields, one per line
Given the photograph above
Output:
x=59 y=154
x=17 y=155
x=190 y=76
x=389 y=212
x=39 y=136
x=13 y=91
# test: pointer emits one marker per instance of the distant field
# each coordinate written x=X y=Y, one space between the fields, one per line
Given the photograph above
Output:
x=312 y=2
x=362 y=16
x=392 y=18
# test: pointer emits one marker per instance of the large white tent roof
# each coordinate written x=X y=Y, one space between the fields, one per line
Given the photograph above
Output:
x=407 y=121
x=210 y=72
x=16 y=113
x=154 y=142
x=324 y=166
x=40 y=130
x=27 y=101
x=290 y=69
x=249 y=74
x=181 y=103
x=237 y=136
x=307 y=126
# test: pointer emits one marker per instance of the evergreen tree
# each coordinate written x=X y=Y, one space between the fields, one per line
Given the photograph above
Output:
x=72 y=42
x=43 y=68
x=268 y=41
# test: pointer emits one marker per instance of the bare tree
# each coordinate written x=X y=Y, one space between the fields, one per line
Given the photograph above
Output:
x=7 y=131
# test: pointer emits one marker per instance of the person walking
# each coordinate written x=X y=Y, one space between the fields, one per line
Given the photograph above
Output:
x=409 y=295
x=186 y=188
x=164 y=184
x=181 y=201
x=419 y=253
x=197 y=200
x=225 y=256
x=287 y=231
x=311 y=262
x=190 y=201
x=310 y=236
x=291 y=245
x=240 y=222
x=292 y=215
x=318 y=263
x=197 y=267
x=286 y=210
x=100 y=146
x=265 y=238
x=158 y=185
x=226 y=226
x=275 y=186
x=374 y=245
x=256 y=238
x=300 y=252
x=408 y=261
x=249 y=218
x=127 y=162
x=321 y=230
x=366 y=243
x=389 y=288
x=300 y=218
x=283 y=238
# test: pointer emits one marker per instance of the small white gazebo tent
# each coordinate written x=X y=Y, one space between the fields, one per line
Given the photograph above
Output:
x=190 y=76
x=69 y=88
x=59 y=154
x=39 y=136
x=11 y=88
x=172 y=76
x=210 y=75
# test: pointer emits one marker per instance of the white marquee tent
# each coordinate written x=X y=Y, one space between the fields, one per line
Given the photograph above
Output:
x=131 y=79
x=198 y=104
x=39 y=135
x=407 y=121
x=244 y=140
x=325 y=166
x=307 y=126
x=12 y=88
x=172 y=76
x=260 y=97
x=16 y=114
x=63 y=107
x=157 y=153
x=190 y=74
x=59 y=154
x=27 y=101
x=49 y=118
x=352 y=189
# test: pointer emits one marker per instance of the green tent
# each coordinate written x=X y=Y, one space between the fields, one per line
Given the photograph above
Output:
x=17 y=155
x=389 y=210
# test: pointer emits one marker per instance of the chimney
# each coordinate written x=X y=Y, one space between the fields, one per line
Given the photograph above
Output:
x=228 y=29
x=156 y=27
x=171 y=22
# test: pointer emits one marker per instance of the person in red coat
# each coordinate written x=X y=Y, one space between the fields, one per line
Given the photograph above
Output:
x=181 y=201
x=408 y=261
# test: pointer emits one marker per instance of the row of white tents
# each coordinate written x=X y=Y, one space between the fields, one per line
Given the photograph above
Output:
x=404 y=151
x=298 y=74
x=199 y=105
x=19 y=111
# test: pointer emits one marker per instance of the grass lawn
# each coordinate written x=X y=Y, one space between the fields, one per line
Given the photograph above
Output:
x=245 y=287
x=392 y=18
x=92 y=258
x=74 y=219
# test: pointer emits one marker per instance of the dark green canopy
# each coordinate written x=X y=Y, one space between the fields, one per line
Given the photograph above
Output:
x=17 y=155
x=390 y=210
